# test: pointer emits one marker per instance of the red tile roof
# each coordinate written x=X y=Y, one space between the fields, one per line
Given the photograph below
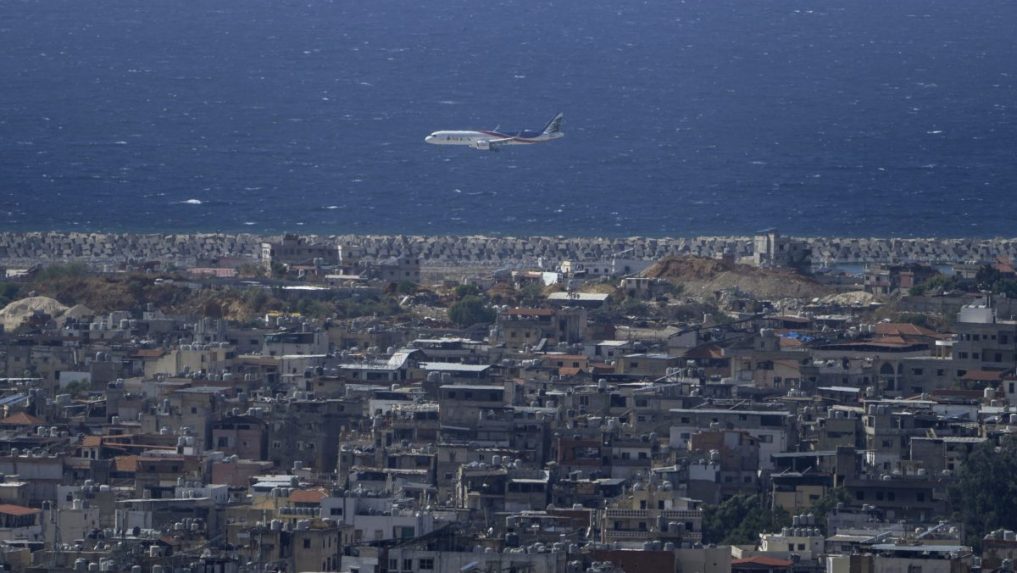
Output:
x=21 y=419
x=11 y=509
x=984 y=375
x=904 y=329
x=790 y=343
x=308 y=495
x=126 y=463
x=762 y=560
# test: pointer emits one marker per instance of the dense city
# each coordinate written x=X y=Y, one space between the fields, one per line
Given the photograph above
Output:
x=317 y=405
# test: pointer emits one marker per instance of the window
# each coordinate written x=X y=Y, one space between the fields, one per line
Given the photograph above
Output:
x=426 y=564
x=307 y=543
x=407 y=564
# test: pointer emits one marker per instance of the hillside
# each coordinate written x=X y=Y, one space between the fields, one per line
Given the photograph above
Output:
x=702 y=277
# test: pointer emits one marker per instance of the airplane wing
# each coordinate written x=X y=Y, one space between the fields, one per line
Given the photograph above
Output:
x=490 y=144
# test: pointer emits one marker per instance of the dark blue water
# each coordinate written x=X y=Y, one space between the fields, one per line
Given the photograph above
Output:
x=840 y=117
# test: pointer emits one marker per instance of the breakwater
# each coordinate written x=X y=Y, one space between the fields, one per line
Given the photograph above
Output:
x=19 y=249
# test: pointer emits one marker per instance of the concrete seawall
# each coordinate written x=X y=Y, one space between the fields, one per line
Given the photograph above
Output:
x=19 y=249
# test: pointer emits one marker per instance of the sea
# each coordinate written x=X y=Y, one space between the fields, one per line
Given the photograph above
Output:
x=682 y=118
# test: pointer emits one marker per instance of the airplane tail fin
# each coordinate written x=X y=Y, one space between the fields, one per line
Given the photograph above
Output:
x=554 y=127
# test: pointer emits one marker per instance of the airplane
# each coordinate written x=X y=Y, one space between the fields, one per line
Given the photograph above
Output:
x=492 y=140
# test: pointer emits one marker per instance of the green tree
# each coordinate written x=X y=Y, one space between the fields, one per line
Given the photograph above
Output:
x=471 y=310
x=76 y=388
x=985 y=493
x=463 y=291
x=634 y=307
x=69 y=270
x=278 y=269
x=739 y=520
x=531 y=294
x=406 y=287
x=8 y=293
x=937 y=285
x=824 y=505
x=986 y=277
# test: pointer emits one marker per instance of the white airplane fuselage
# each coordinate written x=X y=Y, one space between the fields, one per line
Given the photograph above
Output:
x=472 y=138
x=491 y=140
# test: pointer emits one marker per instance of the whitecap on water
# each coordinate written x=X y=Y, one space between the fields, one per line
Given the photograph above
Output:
x=192 y=202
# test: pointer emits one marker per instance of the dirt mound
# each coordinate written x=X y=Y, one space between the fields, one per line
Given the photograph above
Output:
x=688 y=268
x=18 y=311
x=853 y=298
x=703 y=277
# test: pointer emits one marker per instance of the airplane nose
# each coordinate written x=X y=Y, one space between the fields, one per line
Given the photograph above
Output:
x=428 y=138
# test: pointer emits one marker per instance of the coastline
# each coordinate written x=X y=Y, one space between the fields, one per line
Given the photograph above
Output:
x=17 y=248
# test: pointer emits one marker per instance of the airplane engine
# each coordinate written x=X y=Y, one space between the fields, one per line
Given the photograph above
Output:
x=482 y=144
